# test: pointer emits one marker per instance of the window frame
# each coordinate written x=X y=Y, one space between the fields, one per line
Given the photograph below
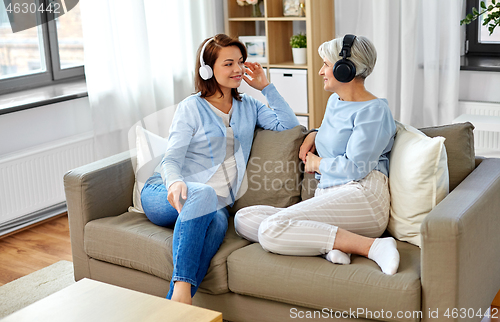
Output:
x=54 y=74
x=473 y=46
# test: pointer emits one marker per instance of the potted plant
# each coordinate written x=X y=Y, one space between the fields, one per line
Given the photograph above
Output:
x=492 y=15
x=298 y=42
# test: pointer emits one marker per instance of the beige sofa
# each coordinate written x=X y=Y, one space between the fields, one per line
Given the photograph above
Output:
x=455 y=271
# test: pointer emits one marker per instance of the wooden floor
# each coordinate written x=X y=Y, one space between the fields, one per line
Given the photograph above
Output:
x=34 y=248
x=39 y=246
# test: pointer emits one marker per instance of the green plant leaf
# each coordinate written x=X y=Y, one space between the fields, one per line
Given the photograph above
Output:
x=491 y=17
x=298 y=41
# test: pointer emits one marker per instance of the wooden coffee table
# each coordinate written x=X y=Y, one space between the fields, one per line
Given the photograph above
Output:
x=89 y=300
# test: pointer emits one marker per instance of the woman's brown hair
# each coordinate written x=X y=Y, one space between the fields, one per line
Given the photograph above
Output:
x=210 y=86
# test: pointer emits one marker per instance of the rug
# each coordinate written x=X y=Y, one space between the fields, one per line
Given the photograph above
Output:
x=35 y=286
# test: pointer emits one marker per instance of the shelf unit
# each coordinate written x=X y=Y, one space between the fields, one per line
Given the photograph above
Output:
x=319 y=26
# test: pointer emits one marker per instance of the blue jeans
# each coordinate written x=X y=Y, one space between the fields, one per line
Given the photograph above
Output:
x=199 y=228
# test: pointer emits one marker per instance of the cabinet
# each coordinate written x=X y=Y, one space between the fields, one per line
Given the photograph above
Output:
x=292 y=85
x=318 y=25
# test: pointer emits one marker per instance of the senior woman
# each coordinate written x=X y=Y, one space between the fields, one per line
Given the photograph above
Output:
x=350 y=208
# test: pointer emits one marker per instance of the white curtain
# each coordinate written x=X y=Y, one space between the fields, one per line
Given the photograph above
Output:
x=139 y=59
x=418 y=44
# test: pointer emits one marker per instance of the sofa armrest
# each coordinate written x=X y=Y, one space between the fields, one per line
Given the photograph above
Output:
x=478 y=161
x=460 y=246
x=99 y=189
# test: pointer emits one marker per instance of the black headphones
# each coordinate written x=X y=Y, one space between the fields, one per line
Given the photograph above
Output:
x=344 y=70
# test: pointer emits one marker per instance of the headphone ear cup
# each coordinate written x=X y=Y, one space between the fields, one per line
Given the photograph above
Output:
x=344 y=71
x=205 y=72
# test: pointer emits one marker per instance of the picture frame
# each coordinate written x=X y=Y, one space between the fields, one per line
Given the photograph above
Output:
x=293 y=8
x=256 y=48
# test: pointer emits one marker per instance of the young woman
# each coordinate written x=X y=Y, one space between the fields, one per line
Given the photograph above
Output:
x=208 y=149
x=350 y=208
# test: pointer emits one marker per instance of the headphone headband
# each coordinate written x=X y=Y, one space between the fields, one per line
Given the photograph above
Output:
x=347 y=45
x=344 y=70
x=202 y=62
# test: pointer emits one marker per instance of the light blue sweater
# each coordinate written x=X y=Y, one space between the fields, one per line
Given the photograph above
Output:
x=354 y=139
x=197 y=139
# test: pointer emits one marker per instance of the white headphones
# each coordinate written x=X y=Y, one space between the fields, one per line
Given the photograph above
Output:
x=205 y=71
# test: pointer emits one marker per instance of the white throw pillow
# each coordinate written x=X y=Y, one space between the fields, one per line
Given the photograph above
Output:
x=150 y=151
x=418 y=181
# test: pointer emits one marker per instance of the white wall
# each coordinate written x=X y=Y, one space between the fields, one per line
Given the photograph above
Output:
x=479 y=86
x=39 y=126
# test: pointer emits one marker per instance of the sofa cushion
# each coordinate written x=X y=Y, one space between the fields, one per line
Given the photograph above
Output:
x=132 y=241
x=314 y=282
x=418 y=181
x=274 y=169
x=150 y=150
x=309 y=185
x=459 y=148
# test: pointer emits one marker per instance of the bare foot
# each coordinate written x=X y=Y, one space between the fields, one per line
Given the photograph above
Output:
x=182 y=293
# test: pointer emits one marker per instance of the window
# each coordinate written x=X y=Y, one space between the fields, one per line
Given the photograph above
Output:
x=42 y=55
x=479 y=40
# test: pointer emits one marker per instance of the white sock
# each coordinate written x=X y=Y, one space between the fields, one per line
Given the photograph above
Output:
x=338 y=257
x=385 y=253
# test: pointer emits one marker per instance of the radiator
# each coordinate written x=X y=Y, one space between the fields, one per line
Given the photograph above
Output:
x=32 y=180
x=486 y=143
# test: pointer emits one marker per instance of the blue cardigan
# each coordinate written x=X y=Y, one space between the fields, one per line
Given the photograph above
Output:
x=197 y=139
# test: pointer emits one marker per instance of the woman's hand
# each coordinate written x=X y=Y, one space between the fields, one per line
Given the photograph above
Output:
x=307 y=146
x=312 y=163
x=255 y=71
x=177 y=195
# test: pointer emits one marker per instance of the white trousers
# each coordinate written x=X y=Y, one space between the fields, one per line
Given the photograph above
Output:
x=309 y=227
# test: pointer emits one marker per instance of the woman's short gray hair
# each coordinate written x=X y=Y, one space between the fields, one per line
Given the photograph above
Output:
x=363 y=54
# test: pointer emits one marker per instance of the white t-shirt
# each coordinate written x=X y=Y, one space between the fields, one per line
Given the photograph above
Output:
x=219 y=181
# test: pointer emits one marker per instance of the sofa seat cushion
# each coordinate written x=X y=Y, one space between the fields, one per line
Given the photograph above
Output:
x=316 y=283
x=132 y=241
